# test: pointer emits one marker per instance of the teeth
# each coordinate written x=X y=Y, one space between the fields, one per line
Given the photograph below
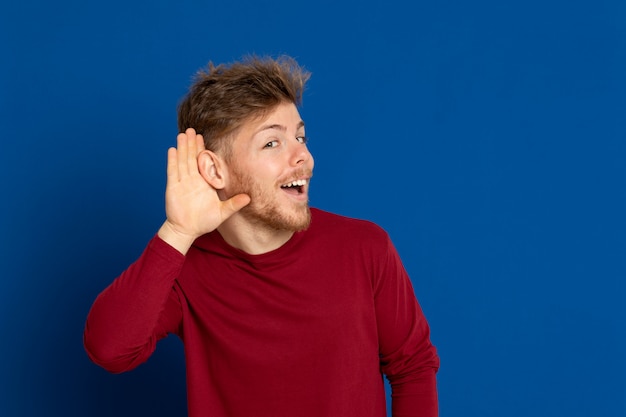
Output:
x=296 y=183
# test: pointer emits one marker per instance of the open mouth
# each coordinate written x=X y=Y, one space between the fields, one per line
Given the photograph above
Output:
x=294 y=187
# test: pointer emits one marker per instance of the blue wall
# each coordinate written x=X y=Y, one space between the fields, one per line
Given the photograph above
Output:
x=487 y=137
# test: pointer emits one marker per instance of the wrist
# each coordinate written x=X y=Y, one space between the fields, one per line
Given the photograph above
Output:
x=175 y=238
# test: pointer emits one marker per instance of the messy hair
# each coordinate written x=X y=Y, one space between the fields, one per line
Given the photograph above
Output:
x=222 y=98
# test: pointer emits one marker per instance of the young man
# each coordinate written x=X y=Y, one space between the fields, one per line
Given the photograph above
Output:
x=284 y=310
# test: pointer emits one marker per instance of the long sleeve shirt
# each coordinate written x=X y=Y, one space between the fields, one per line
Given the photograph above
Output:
x=306 y=330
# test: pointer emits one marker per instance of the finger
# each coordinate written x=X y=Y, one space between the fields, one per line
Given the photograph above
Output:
x=199 y=149
x=200 y=144
x=192 y=151
x=172 y=165
x=182 y=151
x=234 y=204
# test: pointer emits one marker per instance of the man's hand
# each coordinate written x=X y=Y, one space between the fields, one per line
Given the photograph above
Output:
x=192 y=205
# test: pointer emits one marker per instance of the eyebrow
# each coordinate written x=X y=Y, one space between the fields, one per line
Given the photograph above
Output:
x=279 y=127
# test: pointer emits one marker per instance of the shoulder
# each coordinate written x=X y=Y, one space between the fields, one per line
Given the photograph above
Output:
x=351 y=241
x=346 y=228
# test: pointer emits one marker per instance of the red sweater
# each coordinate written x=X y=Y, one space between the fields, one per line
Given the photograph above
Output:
x=306 y=330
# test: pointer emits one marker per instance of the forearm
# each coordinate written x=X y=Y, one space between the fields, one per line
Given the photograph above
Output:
x=415 y=396
x=121 y=329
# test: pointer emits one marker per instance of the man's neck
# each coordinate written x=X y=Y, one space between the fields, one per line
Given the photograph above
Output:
x=253 y=239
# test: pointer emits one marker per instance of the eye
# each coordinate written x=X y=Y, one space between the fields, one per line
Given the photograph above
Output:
x=302 y=139
x=271 y=144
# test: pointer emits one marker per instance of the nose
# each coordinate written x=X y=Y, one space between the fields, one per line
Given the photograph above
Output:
x=301 y=155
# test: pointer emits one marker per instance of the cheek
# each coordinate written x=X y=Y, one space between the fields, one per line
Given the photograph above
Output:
x=266 y=170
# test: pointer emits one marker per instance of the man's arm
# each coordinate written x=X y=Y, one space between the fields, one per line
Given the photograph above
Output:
x=135 y=311
x=408 y=358
x=140 y=307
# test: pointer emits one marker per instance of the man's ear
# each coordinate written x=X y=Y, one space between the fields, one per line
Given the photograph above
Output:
x=212 y=169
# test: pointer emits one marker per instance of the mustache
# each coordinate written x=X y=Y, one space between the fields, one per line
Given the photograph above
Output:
x=296 y=175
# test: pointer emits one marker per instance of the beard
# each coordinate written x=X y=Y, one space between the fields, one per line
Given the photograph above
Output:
x=265 y=209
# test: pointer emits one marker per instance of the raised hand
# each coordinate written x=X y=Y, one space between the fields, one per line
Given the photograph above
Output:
x=192 y=205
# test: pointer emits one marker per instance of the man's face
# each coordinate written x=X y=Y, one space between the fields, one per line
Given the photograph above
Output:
x=271 y=163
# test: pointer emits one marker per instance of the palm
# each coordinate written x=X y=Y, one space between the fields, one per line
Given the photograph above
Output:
x=192 y=206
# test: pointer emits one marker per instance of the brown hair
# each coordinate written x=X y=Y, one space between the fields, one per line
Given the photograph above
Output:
x=222 y=98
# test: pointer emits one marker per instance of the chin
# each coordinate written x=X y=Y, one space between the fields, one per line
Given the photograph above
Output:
x=294 y=223
x=279 y=219
x=302 y=225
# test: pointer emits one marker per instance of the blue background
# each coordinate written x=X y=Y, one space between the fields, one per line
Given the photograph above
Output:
x=487 y=137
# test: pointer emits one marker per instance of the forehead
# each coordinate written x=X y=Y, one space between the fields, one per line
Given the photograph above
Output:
x=284 y=116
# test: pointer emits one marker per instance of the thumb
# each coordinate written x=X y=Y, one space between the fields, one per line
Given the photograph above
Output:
x=234 y=204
